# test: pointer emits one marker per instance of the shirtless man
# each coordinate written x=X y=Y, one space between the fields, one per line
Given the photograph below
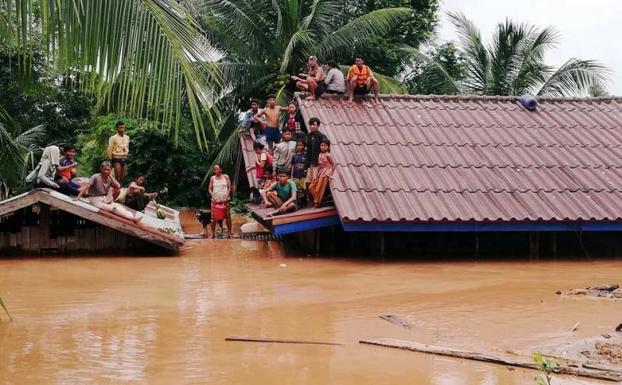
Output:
x=313 y=81
x=271 y=113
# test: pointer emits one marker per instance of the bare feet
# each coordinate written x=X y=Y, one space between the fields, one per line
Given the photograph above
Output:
x=310 y=97
x=137 y=219
x=351 y=101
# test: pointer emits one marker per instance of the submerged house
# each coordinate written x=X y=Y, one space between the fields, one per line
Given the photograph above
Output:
x=45 y=221
x=471 y=164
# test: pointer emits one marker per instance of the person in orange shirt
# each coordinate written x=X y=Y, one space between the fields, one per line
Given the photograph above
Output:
x=361 y=81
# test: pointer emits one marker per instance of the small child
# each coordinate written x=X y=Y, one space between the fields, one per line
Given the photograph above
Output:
x=299 y=171
x=326 y=166
x=265 y=184
x=295 y=123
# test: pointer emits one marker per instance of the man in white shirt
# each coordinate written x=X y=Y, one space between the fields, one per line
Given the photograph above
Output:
x=335 y=82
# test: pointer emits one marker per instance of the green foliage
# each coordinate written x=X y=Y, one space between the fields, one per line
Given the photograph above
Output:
x=145 y=58
x=513 y=64
x=41 y=97
x=176 y=170
x=384 y=53
x=264 y=38
x=438 y=72
x=547 y=366
x=18 y=146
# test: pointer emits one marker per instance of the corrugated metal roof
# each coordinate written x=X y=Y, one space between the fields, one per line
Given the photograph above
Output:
x=470 y=158
x=246 y=144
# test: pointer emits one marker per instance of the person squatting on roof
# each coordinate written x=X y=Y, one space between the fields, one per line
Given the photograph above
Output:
x=313 y=81
x=99 y=189
x=335 y=82
x=66 y=171
x=118 y=151
x=361 y=81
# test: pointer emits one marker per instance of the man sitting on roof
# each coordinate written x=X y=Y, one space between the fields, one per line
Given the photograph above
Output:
x=313 y=81
x=361 y=81
x=255 y=126
x=99 y=190
x=335 y=83
x=66 y=171
x=137 y=196
x=282 y=194
x=43 y=175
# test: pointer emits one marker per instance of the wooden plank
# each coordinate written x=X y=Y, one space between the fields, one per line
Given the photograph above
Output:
x=19 y=202
x=279 y=341
x=281 y=220
x=574 y=369
x=44 y=227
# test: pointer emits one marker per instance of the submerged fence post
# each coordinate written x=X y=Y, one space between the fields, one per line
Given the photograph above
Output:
x=534 y=245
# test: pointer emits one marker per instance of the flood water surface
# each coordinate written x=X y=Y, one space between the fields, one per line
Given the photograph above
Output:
x=164 y=320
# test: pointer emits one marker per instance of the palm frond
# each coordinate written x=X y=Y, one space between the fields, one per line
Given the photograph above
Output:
x=436 y=76
x=470 y=42
x=151 y=50
x=376 y=23
x=32 y=137
x=575 y=77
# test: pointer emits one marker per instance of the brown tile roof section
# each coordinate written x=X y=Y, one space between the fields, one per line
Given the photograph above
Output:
x=246 y=143
x=457 y=158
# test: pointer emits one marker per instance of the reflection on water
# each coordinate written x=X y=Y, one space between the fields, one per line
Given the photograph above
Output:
x=164 y=320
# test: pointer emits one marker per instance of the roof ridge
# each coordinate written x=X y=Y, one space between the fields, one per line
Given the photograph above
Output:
x=468 y=97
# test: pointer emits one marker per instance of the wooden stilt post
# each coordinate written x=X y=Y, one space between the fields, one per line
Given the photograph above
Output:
x=382 y=244
x=534 y=245
x=477 y=245
x=554 y=244
x=316 y=242
x=332 y=241
x=44 y=227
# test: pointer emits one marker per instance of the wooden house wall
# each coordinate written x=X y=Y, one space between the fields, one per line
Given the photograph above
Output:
x=40 y=229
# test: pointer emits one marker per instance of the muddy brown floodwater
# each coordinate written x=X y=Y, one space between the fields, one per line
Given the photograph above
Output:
x=164 y=320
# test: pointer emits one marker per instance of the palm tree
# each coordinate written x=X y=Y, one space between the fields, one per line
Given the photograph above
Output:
x=146 y=58
x=18 y=146
x=262 y=39
x=513 y=64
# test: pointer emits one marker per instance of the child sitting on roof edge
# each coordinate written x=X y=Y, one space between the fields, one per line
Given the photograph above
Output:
x=282 y=194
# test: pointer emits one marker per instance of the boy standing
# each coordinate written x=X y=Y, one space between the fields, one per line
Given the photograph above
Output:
x=271 y=112
x=118 y=150
x=283 y=153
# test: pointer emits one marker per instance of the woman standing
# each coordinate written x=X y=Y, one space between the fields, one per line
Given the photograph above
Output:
x=220 y=190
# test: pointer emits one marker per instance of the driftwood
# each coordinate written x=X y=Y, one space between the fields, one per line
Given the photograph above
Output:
x=279 y=341
x=509 y=360
x=397 y=320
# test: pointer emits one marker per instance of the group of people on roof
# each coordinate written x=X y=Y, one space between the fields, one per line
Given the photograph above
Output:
x=295 y=171
x=57 y=170
x=360 y=80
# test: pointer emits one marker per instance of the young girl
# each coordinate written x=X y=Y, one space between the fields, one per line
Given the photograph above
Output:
x=326 y=166
x=265 y=185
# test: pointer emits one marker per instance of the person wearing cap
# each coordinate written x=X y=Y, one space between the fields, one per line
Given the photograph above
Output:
x=335 y=82
x=361 y=81
x=313 y=82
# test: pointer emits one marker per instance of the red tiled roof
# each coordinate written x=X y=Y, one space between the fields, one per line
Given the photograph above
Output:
x=459 y=158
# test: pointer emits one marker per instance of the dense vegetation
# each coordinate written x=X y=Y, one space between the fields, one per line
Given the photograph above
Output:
x=179 y=73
